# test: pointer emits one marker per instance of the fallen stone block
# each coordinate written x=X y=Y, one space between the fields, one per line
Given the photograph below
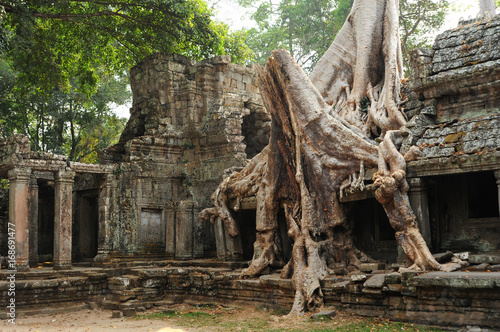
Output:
x=324 y=314
x=129 y=312
x=443 y=257
x=377 y=281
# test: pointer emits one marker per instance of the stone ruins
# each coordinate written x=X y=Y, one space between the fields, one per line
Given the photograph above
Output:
x=125 y=233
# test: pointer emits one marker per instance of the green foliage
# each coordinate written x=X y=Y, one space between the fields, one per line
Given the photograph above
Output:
x=53 y=42
x=62 y=121
x=306 y=28
x=62 y=63
x=418 y=20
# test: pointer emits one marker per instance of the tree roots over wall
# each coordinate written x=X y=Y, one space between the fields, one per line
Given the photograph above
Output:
x=321 y=139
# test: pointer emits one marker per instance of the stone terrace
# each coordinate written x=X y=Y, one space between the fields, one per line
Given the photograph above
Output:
x=438 y=298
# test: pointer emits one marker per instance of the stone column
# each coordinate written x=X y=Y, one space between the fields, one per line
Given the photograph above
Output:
x=184 y=230
x=105 y=197
x=228 y=248
x=33 y=222
x=170 y=231
x=497 y=175
x=19 y=214
x=220 y=240
x=420 y=205
x=199 y=233
x=63 y=219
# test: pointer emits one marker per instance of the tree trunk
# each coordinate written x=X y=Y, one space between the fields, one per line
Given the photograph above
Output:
x=320 y=140
x=487 y=8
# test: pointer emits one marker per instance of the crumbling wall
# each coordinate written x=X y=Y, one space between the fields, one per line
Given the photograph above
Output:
x=187 y=125
x=459 y=76
x=453 y=103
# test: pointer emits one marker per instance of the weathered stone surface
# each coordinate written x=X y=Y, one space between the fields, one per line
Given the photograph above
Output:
x=358 y=277
x=393 y=278
x=479 y=267
x=376 y=281
x=443 y=257
x=370 y=267
x=458 y=280
x=324 y=314
x=484 y=258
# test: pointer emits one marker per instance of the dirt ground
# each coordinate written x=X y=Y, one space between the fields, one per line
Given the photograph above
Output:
x=178 y=318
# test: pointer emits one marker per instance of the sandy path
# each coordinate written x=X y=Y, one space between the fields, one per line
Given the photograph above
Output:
x=89 y=320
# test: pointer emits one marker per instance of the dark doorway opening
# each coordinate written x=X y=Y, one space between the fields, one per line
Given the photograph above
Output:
x=247 y=223
x=46 y=216
x=85 y=228
x=463 y=211
x=373 y=233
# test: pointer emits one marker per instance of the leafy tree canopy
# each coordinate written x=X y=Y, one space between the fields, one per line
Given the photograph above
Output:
x=64 y=62
x=306 y=28
x=418 y=19
x=51 y=42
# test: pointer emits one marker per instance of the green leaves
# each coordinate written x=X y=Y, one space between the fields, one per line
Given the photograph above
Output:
x=417 y=20
x=306 y=28
x=53 y=42
x=62 y=63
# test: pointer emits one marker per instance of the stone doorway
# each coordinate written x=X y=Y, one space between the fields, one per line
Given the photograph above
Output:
x=373 y=233
x=46 y=201
x=247 y=224
x=86 y=226
x=152 y=231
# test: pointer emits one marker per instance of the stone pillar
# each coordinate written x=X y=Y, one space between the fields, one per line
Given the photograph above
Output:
x=63 y=219
x=199 y=233
x=184 y=230
x=33 y=222
x=19 y=214
x=420 y=206
x=170 y=231
x=105 y=196
x=497 y=175
x=228 y=248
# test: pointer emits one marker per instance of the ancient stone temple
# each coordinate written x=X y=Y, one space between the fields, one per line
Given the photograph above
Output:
x=453 y=105
x=189 y=122
x=130 y=224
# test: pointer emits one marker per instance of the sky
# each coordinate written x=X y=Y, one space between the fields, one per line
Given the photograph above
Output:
x=229 y=12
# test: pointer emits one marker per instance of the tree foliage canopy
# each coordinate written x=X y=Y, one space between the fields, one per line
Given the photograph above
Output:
x=63 y=62
x=306 y=28
x=49 y=43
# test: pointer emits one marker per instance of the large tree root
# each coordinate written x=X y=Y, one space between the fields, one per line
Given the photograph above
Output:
x=314 y=148
x=392 y=192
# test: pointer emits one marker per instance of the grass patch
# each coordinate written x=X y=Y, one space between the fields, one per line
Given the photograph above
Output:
x=216 y=318
x=376 y=325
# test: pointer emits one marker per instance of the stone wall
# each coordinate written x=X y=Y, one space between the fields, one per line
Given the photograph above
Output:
x=458 y=77
x=187 y=126
x=453 y=104
x=445 y=299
